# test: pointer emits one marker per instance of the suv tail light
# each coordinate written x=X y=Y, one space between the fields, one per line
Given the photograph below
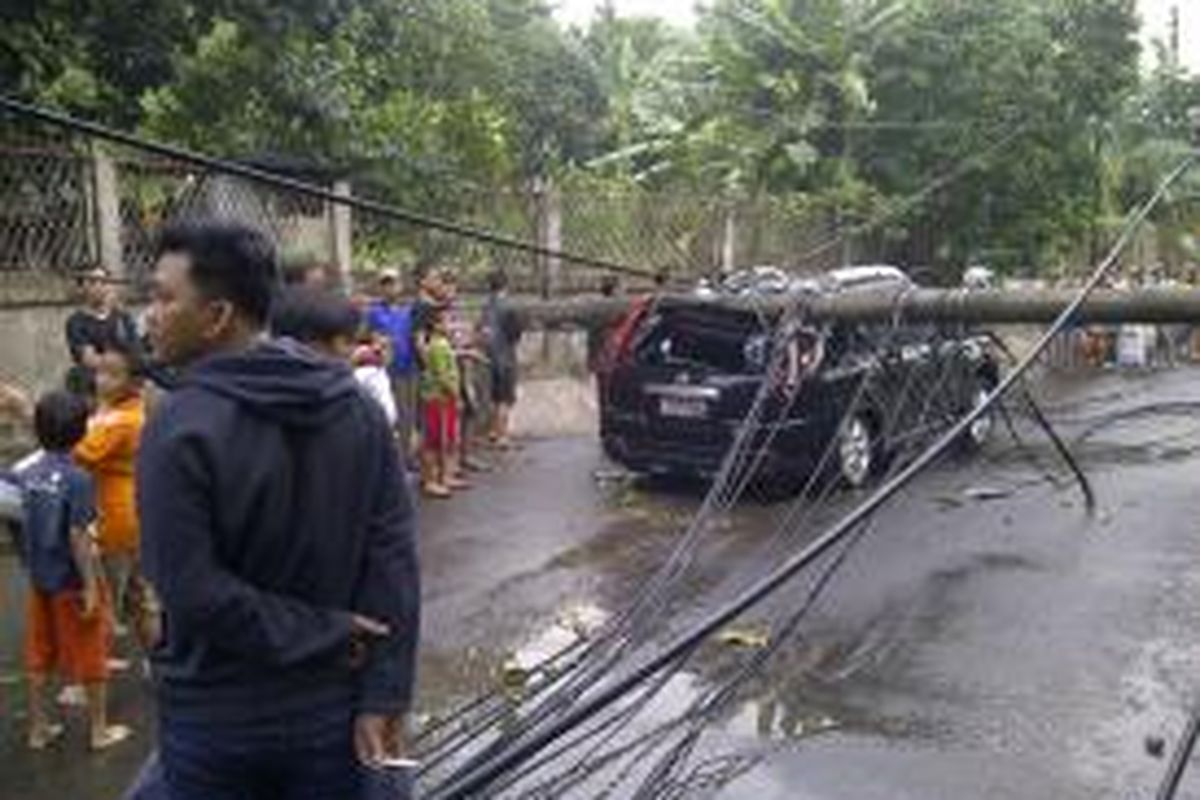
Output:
x=620 y=341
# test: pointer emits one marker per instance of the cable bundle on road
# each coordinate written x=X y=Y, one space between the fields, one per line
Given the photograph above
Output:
x=481 y=775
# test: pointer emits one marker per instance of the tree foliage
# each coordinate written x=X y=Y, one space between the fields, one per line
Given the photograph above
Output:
x=847 y=107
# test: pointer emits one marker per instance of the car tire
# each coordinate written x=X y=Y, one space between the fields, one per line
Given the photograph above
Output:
x=857 y=452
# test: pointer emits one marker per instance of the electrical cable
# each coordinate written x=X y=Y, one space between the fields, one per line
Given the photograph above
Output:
x=703 y=709
x=782 y=632
x=714 y=501
x=479 y=778
x=1085 y=485
x=1180 y=758
x=269 y=178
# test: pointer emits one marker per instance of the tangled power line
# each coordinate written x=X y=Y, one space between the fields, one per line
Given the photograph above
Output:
x=480 y=775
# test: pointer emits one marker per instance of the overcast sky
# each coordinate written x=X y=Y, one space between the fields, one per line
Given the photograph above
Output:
x=1154 y=12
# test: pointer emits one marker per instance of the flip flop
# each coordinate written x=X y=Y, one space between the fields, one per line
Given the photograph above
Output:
x=47 y=736
x=112 y=735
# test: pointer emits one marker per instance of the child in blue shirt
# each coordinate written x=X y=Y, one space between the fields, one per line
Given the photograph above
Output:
x=67 y=630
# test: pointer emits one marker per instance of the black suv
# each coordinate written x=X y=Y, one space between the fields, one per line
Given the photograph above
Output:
x=681 y=375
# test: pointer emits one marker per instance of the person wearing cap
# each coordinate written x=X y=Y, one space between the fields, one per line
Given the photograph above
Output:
x=95 y=326
x=391 y=320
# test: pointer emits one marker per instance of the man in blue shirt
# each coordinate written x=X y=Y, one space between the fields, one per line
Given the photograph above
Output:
x=392 y=320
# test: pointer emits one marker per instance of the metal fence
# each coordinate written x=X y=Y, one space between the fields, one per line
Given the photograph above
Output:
x=47 y=211
x=68 y=200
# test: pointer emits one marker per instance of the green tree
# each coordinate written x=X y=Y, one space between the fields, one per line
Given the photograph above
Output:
x=629 y=54
x=548 y=85
x=958 y=77
x=94 y=57
x=1153 y=138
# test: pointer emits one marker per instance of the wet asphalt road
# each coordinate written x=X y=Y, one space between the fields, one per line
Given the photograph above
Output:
x=1012 y=647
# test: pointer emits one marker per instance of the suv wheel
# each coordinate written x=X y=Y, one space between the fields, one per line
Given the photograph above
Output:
x=856 y=451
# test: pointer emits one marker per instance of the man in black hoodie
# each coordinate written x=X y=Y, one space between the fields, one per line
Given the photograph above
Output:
x=278 y=531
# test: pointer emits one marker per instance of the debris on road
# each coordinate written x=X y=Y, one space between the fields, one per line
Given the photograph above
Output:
x=984 y=493
x=573 y=624
x=613 y=476
x=744 y=637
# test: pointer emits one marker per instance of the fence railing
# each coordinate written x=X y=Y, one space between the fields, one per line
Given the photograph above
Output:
x=47 y=206
x=68 y=200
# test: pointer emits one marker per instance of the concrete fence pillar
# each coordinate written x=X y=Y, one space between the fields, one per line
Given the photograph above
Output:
x=342 y=230
x=107 y=208
x=548 y=204
x=729 y=240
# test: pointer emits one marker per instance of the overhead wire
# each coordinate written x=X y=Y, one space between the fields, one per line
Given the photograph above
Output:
x=733 y=489
x=728 y=475
x=269 y=178
x=938 y=181
x=703 y=708
x=720 y=496
x=781 y=632
x=484 y=774
x=1181 y=756
x=851 y=409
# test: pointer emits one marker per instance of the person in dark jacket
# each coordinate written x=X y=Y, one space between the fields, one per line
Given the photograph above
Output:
x=501 y=329
x=95 y=326
x=278 y=533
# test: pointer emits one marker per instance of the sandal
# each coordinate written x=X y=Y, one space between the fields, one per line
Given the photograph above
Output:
x=112 y=735
x=42 y=739
x=435 y=490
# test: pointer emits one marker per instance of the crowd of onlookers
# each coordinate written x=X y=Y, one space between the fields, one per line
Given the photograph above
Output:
x=444 y=380
x=79 y=531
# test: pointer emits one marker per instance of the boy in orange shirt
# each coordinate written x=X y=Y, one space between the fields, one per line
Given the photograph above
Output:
x=108 y=452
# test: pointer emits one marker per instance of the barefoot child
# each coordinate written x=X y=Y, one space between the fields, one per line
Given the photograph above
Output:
x=68 y=623
x=439 y=401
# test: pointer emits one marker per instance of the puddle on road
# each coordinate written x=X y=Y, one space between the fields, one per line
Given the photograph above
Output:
x=861 y=683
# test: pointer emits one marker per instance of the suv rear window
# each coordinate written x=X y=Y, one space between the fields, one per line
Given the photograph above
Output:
x=707 y=337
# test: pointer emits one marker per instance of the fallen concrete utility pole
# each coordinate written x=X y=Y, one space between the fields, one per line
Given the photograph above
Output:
x=992 y=307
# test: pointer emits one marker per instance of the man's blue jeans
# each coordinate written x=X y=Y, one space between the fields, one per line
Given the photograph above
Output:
x=306 y=755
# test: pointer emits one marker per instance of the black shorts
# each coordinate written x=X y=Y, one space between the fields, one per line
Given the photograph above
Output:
x=504 y=385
